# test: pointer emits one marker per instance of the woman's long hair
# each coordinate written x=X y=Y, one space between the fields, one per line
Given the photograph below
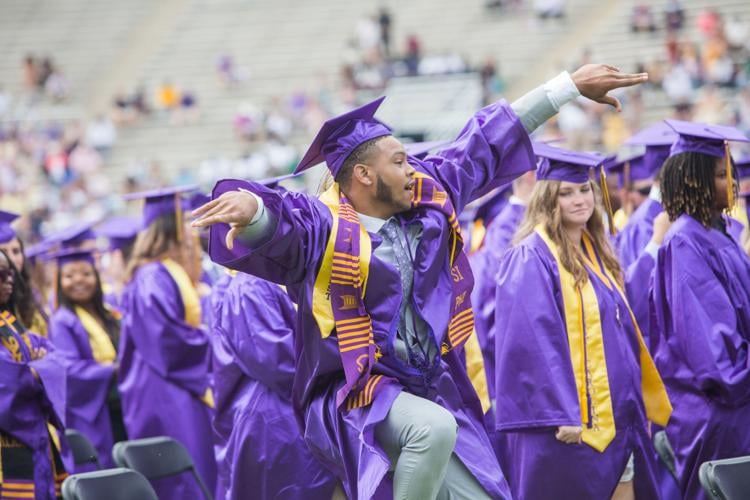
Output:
x=111 y=324
x=12 y=305
x=544 y=209
x=158 y=240
x=27 y=305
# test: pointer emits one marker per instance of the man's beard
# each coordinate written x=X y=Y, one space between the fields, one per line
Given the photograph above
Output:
x=383 y=193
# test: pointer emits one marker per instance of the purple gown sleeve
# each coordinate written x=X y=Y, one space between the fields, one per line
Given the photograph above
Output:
x=637 y=282
x=300 y=232
x=172 y=348
x=492 y=149
x=534 y=381
x=88 y=380
x=255 y=323
x=693 y=306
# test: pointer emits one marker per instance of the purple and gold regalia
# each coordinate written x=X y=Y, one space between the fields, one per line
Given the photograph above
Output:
x=164 y=376
x=570 y=357
x=492 y=149
x=701 y=306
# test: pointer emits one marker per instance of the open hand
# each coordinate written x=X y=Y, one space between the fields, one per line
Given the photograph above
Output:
x=595 y=81
x=569 y=434
x=235 y=208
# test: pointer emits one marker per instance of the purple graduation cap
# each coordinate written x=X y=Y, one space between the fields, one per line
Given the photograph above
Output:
x=712 y=140
x=119 y=230
x=565 y=165
x=492 y=203
x=658 y=139
x=6 y=231
x=73 y=255
x=630 y=168
x=158 y=202
x=75 y=235
x=341 y=135
x=421 y=149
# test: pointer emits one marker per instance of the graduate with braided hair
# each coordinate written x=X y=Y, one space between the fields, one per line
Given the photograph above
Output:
x=700 y=304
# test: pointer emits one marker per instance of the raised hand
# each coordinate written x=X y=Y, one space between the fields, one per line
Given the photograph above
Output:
x=235 y=208
x=595 y=81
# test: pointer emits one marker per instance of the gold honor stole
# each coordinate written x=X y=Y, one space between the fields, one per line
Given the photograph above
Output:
x=192 y=305
x=101 y=345
x=342 y=279
x=584 y=328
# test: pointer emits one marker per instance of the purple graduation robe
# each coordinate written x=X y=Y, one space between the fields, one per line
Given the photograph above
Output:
x=86 y=409
x=261 y=451
x=27 y=406
x=536 y=389
x=700 y=303
x=492 y=149
x=164 y=373
x=484 y=265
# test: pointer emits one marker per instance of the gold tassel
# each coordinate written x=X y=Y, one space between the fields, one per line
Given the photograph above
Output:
x=178 y=217
x=730 y=177
x=626 y=175
x=607 y=201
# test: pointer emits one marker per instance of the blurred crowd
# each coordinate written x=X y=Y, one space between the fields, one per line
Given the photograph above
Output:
x=59 y=167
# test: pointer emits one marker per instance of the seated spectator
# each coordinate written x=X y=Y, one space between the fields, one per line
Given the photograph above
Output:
x=101 y=134
x=709 y=23
x=674 y=15
x=642 y=19
x=188 y=111
x=737 y=33
x=168 y=97
x=56 y=86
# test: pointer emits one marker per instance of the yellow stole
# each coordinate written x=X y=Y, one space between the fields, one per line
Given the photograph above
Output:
x=584 y=328
x=475 y=370
x=192 y=305
x=321 y=300
x=101 y=345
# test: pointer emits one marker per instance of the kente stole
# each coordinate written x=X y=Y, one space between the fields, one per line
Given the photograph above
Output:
x=584 y=329
x=342 y=280
x=192 y=306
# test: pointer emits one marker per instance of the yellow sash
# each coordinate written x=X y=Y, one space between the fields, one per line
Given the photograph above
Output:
x=584 y=328
x=101 y=345
x=321 y=300
x=192 y=304
x=190 y=299
x=475 y=370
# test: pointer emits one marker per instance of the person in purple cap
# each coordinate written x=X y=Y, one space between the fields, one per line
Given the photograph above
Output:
x=383 y=288
x=87 y=331
x=165 y=352
x=700 y=304
x=575 y=384
x=33 y=457
x=30 y=310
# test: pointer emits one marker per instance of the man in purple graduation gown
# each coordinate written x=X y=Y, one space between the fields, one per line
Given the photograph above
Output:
x=261 y=451
x=700 y=303
x=425 y=422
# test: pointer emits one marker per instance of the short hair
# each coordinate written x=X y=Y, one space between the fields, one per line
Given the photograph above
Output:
x=688 y=186
x=361 y=154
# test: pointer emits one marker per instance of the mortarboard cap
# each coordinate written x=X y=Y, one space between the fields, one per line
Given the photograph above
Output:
x=703 y=138
x=158 y=202
x=341 y=135
x=492 y=203
x=6 y=231
x=119 y=230
x=73 y=255
x=658 y=134
x=74 y=236
x=564 y=165
x=198 y=200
